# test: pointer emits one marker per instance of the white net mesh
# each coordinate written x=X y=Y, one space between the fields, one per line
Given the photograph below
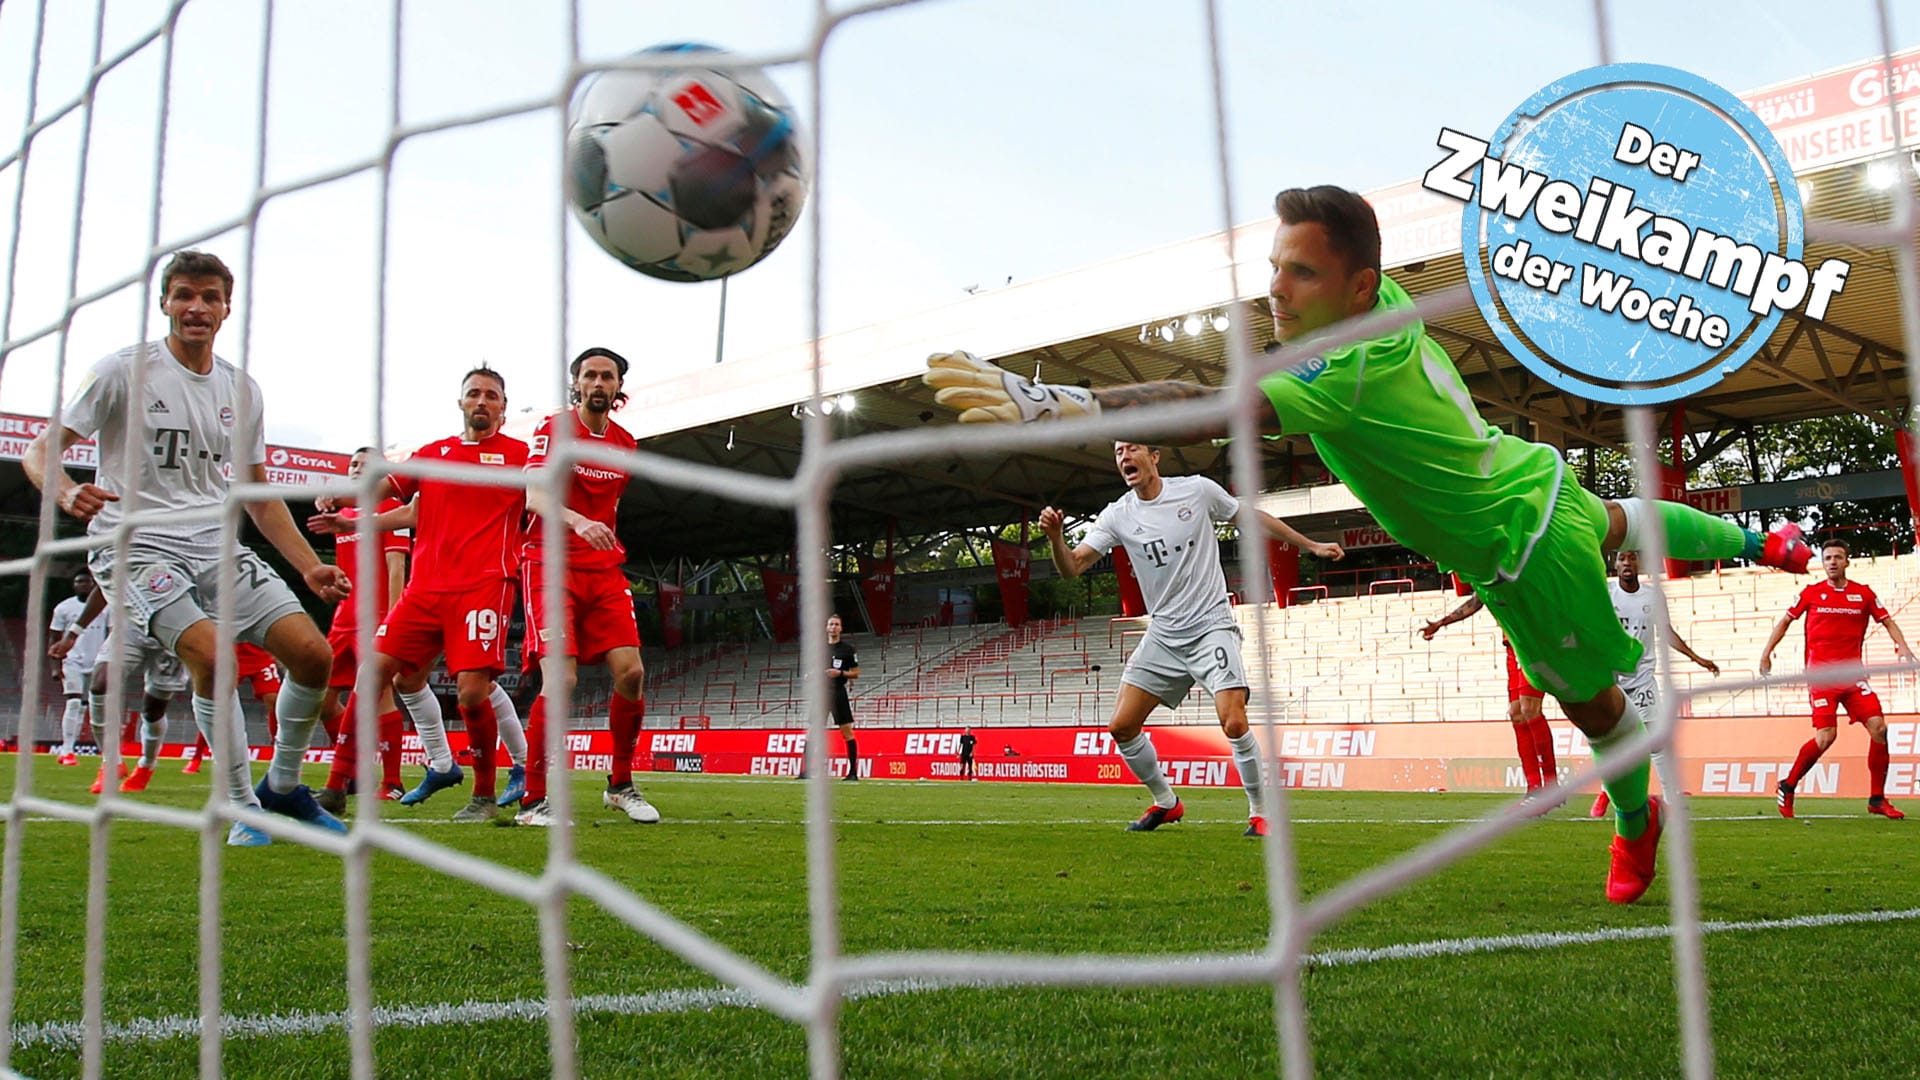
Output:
x=102 y=215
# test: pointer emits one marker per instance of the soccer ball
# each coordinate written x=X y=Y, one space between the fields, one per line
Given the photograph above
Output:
x=686 y=174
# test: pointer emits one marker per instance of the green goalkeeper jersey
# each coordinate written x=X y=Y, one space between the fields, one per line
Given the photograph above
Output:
x=1392 y=419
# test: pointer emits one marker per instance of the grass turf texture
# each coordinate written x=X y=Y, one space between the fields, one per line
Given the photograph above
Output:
x=1051 y=872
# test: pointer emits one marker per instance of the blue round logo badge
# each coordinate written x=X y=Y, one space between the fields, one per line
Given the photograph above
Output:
x=1634 y=234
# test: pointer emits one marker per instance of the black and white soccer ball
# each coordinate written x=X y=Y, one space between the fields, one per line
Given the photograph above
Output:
x=687 y=174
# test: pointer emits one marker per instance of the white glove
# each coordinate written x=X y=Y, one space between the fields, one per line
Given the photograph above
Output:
x=989 y=394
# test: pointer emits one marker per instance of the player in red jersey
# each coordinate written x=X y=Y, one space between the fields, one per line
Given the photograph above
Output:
x=1525 y=706
x=598 y=611
x=390 y=575
x=1837 y=612
x=466 y=553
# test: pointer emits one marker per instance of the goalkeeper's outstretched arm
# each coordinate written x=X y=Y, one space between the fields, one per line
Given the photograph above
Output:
x=986 y=393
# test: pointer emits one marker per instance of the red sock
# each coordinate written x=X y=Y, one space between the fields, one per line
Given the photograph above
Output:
x=537 y=750
x=1529 y=759
x=1877 y=768
x=201 y=749
x=334 y=724
x=273 y=727
x=393 y=728
x=346 y=750
x=1543 y=749
x=623 y=719
x=1809 y=754
x=483 y=734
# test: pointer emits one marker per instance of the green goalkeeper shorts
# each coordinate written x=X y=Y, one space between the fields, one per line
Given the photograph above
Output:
x=1558 y=614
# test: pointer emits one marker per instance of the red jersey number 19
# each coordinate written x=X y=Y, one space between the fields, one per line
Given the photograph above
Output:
x=483 y=624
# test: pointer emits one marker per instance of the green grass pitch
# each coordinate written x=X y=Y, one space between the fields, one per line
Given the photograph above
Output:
x=1031 y=868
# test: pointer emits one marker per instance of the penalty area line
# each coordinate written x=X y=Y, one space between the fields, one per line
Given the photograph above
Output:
x=68 y=1035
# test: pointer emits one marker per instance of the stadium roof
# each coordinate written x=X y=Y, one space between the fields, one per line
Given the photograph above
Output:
x=1095 y=325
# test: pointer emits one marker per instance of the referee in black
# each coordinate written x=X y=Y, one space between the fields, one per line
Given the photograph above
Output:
x=843 y=667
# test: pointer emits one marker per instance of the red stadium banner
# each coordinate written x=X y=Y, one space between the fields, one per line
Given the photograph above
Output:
x=672 y=599
x=876 y=590
x=783 y=603
x=1910 y=472
x=1283 y=566
x=1013 y=564
x=1132 y=603
x=1717 y=755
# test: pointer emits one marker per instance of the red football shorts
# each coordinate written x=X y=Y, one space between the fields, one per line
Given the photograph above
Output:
x=345 y=644
x=469 y=627
x=1861 y=703
x=599 y=613
x=1517 y=684
x=266 y=682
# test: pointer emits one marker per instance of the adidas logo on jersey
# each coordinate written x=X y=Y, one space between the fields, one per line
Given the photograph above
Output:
x=158 y=406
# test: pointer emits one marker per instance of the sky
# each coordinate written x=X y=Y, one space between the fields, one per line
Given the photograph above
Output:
x=965 y=144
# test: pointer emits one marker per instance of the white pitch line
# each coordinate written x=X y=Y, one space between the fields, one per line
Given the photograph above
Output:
x=68 y=1035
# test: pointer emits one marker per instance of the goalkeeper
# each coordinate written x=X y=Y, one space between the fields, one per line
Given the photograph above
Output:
x=1392 y=419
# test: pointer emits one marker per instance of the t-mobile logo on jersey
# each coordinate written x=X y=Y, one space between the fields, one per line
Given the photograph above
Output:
x=1156 y=550
x=175 y=445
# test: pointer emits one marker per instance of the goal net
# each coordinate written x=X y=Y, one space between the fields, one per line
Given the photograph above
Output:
x=121 y=156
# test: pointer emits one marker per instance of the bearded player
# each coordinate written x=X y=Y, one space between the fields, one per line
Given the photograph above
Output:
x=455 y=603
x=597 y=607
x=1391 y=417
x=1838 y=611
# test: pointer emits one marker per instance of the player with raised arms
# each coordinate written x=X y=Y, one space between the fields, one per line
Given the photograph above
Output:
x=1838 y=611
x=1391 y=417
x=597 y=612
x=1167 y=526
x=466 y=552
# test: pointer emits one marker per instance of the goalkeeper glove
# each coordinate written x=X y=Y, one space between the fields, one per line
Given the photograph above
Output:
x=987 y=394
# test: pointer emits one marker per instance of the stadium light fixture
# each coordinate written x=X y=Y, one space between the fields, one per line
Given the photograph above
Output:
x=1192 y=326
x=848 y=403
x=1883 y=175
x=1220 y=322
x=826 y=406
x=1146 y=332
x=1168 y=332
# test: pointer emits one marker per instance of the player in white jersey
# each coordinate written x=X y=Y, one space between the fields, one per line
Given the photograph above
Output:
x=1634 y=606
x=1167 y=527
x=197 y=421
x=76 y=662
x=141 y=663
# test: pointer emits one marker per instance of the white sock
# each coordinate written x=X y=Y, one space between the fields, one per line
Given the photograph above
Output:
x=239 y=771
x=97 y=708
x=70 y=724
x=511 y=731
x=431 y=727
x=1246 y=758
x=1145 y=763
x=299 y=709
x=152 y=734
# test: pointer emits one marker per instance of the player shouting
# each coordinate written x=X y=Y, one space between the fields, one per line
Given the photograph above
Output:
x=1166 y=525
